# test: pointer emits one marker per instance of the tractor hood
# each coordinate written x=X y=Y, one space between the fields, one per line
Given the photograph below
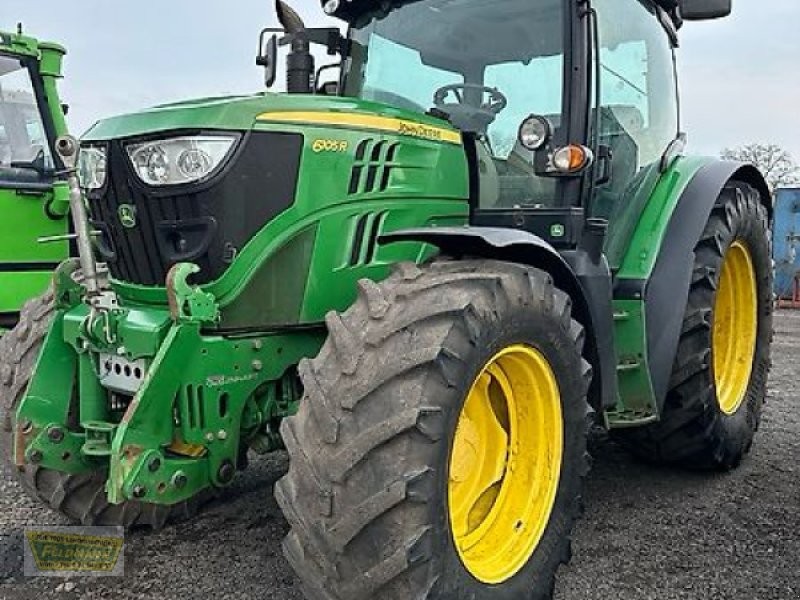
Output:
x=145 y=226
x=242 y=113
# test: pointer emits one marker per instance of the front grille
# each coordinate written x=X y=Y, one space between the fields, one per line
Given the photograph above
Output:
x=206 y=223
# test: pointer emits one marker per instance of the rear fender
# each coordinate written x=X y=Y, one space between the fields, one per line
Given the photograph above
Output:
x=672 y=275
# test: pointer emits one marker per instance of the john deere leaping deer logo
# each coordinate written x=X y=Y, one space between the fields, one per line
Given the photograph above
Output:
x=127 y=215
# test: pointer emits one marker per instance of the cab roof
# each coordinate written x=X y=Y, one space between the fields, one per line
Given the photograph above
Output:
x=352 y=10
x=24 y=45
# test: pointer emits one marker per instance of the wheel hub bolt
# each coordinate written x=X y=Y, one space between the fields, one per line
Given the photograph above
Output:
x=35 y=456
x=226 y=472
x=55 y=435
x=139 y=491
x=154 y=464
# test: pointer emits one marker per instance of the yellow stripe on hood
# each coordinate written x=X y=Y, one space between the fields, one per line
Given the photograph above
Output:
x=360 y=121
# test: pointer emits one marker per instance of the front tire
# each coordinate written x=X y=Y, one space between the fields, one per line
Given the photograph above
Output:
x=719 y=378
x=399 y=415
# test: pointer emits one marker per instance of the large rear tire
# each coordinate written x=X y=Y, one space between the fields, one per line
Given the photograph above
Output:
x=81 y=498
x=440 y=446
x=719 y=378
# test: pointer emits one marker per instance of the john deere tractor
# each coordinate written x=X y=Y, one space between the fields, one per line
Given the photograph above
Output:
x=32 y=204
x=425 y=280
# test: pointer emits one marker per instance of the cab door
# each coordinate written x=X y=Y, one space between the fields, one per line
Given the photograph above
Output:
x=638 y=117
x=26 y=189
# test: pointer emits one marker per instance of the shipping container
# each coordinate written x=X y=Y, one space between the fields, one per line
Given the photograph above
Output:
x=786 y=242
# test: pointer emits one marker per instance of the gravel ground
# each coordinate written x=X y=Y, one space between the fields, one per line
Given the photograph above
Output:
x=648 y=533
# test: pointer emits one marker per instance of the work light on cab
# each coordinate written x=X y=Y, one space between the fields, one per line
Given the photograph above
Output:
x=535 y=132
x=179 y=160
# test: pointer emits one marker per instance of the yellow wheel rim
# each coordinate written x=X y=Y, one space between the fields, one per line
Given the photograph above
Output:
x=735 y=328
x=505 y=464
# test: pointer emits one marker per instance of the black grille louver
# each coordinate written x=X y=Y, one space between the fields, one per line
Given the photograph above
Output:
x=206 y=223
x=373 y=167
x=365 y=238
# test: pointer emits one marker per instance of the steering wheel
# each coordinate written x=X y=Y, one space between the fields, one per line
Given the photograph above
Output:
x=495 y=103
x=465 y=115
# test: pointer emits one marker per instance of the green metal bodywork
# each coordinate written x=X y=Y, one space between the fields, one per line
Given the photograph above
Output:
x=637 y=403
x=30 y=213
x=206 y=397
x=434 y=192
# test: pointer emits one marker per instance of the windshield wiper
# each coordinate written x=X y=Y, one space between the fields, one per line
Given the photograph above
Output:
x=37 y=164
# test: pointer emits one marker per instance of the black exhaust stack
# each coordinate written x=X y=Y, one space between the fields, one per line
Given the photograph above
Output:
x=299 y=62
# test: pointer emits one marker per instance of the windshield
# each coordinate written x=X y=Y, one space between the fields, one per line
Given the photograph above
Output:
x=485 y=66
x=24 y=150
x=514 y=46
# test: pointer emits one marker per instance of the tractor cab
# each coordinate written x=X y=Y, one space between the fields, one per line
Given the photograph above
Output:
x=26 y=156
x=31 y=117
x=567 y=112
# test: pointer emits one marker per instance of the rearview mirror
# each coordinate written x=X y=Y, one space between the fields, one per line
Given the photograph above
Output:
x=268 y=57
x=700 y=10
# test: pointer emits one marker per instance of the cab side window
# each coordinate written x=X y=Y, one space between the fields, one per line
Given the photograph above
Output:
x=638 y=114
x=24 y=149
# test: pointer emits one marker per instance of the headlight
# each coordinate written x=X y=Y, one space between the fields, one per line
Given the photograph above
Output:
x=179 y=160
x=92 y=167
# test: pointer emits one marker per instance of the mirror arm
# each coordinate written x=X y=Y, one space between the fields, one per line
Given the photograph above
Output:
x=331 y=38
x=320 y=71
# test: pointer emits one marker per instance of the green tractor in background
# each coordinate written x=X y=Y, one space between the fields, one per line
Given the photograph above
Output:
x=488 y=236
x=33 y=204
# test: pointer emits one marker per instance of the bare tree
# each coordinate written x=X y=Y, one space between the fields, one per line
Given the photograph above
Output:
x=777 y=165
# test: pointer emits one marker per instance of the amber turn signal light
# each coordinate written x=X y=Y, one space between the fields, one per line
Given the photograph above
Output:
x=572 y=159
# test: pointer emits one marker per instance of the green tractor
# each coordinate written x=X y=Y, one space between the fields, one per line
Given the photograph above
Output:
x=487 y=236
x=32 y=203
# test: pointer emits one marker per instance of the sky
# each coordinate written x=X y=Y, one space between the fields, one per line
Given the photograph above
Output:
x=740 y=79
